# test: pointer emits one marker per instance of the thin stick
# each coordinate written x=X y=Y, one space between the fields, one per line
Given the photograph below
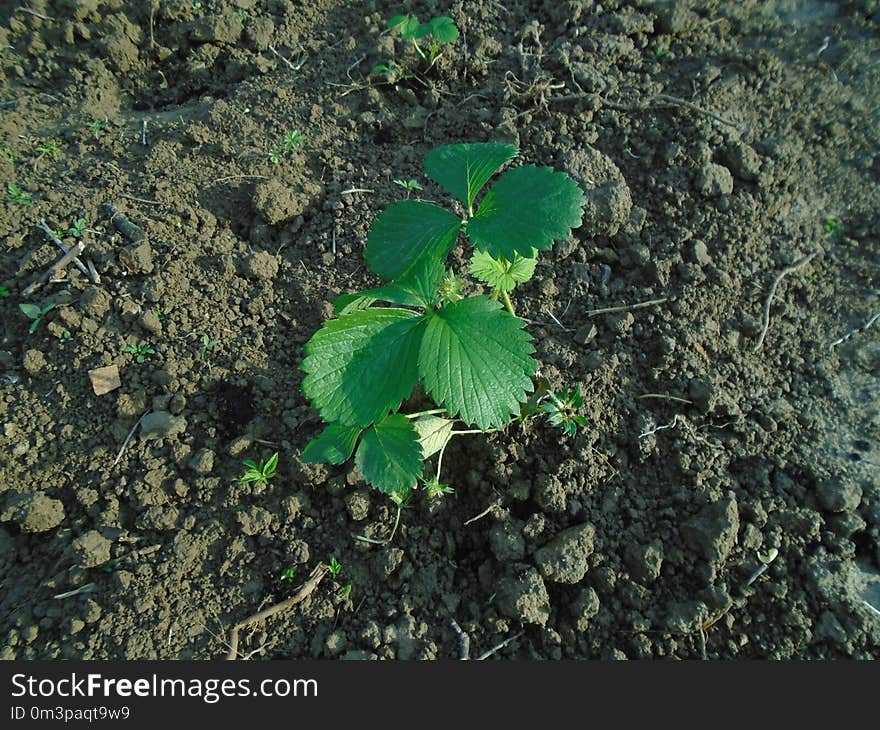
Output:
x=317 y=574
x=144 y=132
x=498 y=648
x=139 y=200
x=785 y=272
x=57 y=241
x=853 y=333
x=57 y=266
x=464 y=641
x=625 y=307
x=351 y=191
x=694 y=107
x=672 y=424
x=87 y=588
x=238 y=177
x=128 y=438
x=666 y=397
x=482 y=514
x=35 y=14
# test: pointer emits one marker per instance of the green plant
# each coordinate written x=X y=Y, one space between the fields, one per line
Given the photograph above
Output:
x=289 y=574
x=260 y=472
x=343 y=594
x=658 y=55
x=141 y=352
x=50 y=148
x=35 y=313
x=17 y=196
x=197 y=5
x=292 y=141
x=7 y=153
x=77 y=228
x=98 y=126
x=208 y=345
x=392 y=72
x=438 y=31
x=563 y=410
x=472 y=355
x=4 y=292
x=334 y=566
x=833 y=227
x=409 y=186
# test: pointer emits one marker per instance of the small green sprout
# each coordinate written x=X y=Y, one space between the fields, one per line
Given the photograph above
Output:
x=292 y=141
x=409 y=186
x=562 y=410
x=392 y=72
x=160 y=314
x=434 y=489
x=343 y=594
x=334 y=566
x=833 y=227
x=17 y=196
x=77 y=228
x=289 y=574
x=59 y=234
x=197 y=5
x=208 y=345
x=440 y=31
x=658 y=55
x=35 y=313
x=260 y=472
x=7 y=153
x=4 y=292
x=451 y=288
x=98 y=126
x=241 y=15
x=50 y=148
x=141 y=352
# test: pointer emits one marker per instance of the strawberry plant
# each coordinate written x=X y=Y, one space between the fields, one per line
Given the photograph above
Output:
x=472 y=355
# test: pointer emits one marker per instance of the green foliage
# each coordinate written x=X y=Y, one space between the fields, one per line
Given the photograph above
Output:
x=833 y=227
x=292 y=141
x=35 y=313
x=289 y=574
x=17 y=196
x=438 y=32
x=98 y=126
x=472 y=357
x=4 y=292
x=334 y=566
x=7 y=153
x=208 y=345
x=141 y=352
x=49 y=148
x=392 y=72
x=260 y=472
x=77 y=228
x=563 y=410
x=409 y=186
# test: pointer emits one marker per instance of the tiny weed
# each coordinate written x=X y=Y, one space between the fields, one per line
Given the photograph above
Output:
x=4 y=292
x=241 y=15
x=260 y=472
x=141 y=352
x=563 y=410
x=334 y=566
x=77 y=228
x=409 y=186
x=390 y=71
x=98 y=126
x=51 y=148
x=289 y=574
x=658 y=55
x=197 y=5
x=208 y=345
x=7 y=153
x=35 y=313
x=833 y=227
x=292 y=141
x=17 y=196
x=344 y=593
x=434 y=489
x=160 y=314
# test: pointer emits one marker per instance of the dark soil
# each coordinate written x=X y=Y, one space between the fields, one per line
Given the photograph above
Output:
x=636 y=538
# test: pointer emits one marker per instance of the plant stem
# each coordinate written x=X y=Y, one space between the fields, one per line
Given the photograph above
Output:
x=507 y=302
x=433 y=412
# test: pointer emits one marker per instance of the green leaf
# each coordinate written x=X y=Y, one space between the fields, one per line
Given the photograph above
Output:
x=434 y=433
x=476 y=361
x=444 y=29
x=389 y=456
x=407 y=24
x=362 y=365
x=499 y=273
x=31 y=311
x=418 y=288
x=529 y=207
x=463 y=169
x=407 y=233
x=335 y=445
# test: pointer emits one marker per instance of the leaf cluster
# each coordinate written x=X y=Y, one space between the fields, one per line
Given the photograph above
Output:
x=471 y=356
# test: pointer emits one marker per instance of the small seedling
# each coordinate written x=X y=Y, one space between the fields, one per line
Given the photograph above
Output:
x=4 y=292
x=208 y=345
x=344 y=593
x=241 y=15
x=434 y=489
x=98 y=126
x=141 y=352
x=197 y=5
x=833 y=227
x=471 y=355
x=658 y=55
x=439 y=31
x=409 y=186
x=260 y=472
x=7 y=153
x=50 y=148
x=35 y=313
x=160 y=314
x=17 y=196
x=77 y=228
x=390 y=71
x=334 y=566
x=289 y=574
x=292 y=141
x=563 y=410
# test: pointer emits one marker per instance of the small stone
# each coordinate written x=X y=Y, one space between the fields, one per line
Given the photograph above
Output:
x=34 y=361
x=715 y=180
x=713 y=532
x=105 y=380
x=358 y=504
x=202 y=462
x=644 y=561
x=522 y=596
x=585 y=607
x=91 y=549
x=161 y=424
x=261 y=265
x=255 y=520
x=565 y=559
x=95 y=302
x=744 y=162
x=35 y=512
x=608 y=198
x=507 y=542
x=137 y=259
x=837 y=495
x=701 y=254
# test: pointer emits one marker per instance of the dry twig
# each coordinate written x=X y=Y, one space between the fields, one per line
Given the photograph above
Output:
x=625 y=307
x=799 y=264
x=57 y=266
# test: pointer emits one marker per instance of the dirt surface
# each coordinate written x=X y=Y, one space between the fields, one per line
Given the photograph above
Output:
x=719 y=144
